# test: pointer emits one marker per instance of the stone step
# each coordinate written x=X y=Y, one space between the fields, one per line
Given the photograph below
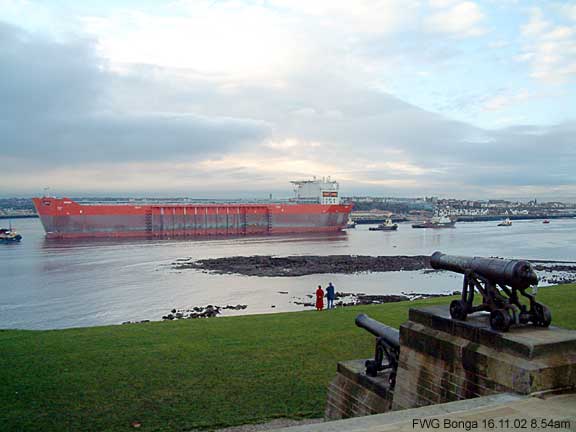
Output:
x=503 y=406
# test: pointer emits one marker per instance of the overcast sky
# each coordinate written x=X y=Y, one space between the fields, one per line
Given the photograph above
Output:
x=470 y=99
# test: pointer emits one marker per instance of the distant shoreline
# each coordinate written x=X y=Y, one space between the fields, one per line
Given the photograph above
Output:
x=489 y=218
x=19 y=217
x=469 y=218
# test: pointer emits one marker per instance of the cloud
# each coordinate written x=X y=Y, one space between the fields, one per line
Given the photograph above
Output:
x=569 y=10
x=361 y=16
x=442 y=3
x=231 y=39
x=462 y=19
x=189 y=104
x=498 y=44
x=502 y=101
x=525 y=156
x=549 y=49
x=55 y=108
x=536 y=25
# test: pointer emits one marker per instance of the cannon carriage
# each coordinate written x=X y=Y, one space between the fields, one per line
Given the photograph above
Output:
x=499 y=282
x=387 y=347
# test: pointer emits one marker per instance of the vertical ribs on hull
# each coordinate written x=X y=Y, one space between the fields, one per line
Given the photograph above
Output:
x=148 y=220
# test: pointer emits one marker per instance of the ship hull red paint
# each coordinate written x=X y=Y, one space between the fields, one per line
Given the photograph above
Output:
x=64 y=218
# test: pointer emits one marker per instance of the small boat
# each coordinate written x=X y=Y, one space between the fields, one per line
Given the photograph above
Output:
x=545 y=221
x=387 y=225
x=436 y=222
x=505 y=222
x=8 y=235
x=350 y=223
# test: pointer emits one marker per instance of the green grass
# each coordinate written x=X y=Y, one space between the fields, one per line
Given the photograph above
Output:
x=177 y=376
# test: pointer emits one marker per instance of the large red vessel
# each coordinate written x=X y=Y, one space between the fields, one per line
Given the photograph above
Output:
x=315 y=208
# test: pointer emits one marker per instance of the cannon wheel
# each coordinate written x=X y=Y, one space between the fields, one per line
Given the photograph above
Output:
x=458 y=309
x=500 y=320
x=542 y=315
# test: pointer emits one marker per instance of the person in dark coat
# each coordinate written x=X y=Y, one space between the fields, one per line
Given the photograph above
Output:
x=330 y=295
x=319 y=298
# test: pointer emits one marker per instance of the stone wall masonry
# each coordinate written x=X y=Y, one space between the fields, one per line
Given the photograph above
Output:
x=353 y=394
x=443 y=360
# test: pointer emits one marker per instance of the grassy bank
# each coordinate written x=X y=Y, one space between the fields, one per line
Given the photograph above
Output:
x=177 y=376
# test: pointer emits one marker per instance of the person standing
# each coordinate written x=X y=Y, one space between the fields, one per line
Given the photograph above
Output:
x=319 y=298
x=330 y=295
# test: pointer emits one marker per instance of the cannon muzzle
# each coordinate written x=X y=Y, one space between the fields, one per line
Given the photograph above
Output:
x=390 y=335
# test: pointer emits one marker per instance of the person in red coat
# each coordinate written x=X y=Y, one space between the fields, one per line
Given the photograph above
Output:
x=319 y=298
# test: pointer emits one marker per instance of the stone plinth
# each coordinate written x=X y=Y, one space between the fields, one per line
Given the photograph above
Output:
x=353 y=394
x=444 y=360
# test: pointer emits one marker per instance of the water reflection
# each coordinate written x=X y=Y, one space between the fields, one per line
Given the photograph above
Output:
x=54 y=244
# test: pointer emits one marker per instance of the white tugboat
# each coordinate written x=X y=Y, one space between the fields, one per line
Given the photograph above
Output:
x=388 y=225
x=505 y=222
x=436 y=222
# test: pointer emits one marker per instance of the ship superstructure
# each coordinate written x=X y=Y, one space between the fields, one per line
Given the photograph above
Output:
x=315 y=208
x=324 y=191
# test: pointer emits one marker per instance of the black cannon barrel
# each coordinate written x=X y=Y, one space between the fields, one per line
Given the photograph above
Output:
x=389 y=334
x=515 y=273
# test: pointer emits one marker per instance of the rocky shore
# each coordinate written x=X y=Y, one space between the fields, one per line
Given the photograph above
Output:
x=344 y=299
x=304 y=265
x=291 y=266
x=556 y=273
x=209 y=311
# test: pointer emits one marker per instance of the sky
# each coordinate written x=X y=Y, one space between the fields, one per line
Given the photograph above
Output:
x=230 y=98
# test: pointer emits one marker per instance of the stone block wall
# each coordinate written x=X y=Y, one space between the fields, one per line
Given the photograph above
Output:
x=442 y=360
x=353 y=394
x=445 y=360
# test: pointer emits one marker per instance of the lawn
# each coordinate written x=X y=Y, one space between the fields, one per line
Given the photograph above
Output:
x=182 y=375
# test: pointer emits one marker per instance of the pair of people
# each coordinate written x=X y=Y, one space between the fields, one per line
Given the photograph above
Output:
x=330 y=296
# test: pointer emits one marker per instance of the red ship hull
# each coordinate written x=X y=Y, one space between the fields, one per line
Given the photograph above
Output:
x=65 y=218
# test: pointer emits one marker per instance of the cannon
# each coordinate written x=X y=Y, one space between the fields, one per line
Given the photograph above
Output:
x=387 y=345
x=499 y=281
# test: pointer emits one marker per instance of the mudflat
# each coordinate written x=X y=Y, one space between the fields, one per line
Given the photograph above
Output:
x=301 y=265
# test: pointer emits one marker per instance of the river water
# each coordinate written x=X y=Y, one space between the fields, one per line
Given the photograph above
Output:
x=48 y=284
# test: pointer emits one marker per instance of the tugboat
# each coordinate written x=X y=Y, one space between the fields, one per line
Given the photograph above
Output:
x=505 y=222
x=545 y=221
x=436 y=222
x=350 y=223
x=8 y=235
x=387 y=225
